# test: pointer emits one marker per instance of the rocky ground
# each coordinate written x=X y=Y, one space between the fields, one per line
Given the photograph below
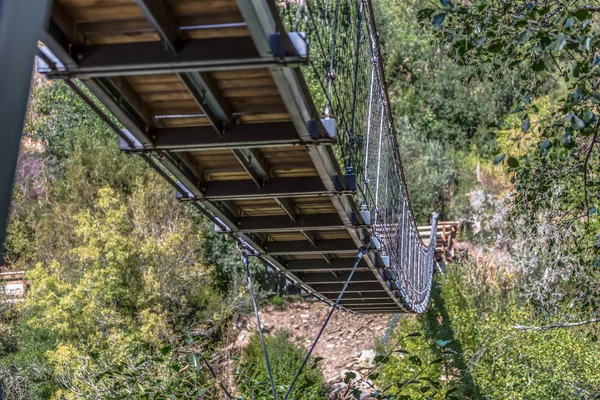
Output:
x=346 y=345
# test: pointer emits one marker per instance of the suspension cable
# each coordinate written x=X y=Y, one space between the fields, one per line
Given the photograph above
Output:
x=359 y=257
x=245 y=253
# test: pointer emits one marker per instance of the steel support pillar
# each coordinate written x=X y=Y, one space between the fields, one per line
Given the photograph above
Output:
x=21 y=26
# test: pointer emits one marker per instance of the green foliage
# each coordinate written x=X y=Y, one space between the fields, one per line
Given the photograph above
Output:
x=285 y=359
x=429 y=191
x=115 y=263
x=551 y=50
x=445 y=115
x=471 y=326
x=441 y=100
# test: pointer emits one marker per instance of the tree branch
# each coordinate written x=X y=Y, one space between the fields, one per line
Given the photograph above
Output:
x=585 y=165
x=590 y=8
x=555 y=326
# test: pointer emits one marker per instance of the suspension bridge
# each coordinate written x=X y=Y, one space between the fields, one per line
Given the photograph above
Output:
x=272 y=118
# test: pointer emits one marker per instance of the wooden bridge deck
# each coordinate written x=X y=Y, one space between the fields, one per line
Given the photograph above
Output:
x=212 y=91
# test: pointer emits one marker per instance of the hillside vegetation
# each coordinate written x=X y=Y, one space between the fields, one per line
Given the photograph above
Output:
x=133 y=295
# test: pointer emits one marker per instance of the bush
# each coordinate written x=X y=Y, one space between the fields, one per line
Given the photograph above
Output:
x=285 y=359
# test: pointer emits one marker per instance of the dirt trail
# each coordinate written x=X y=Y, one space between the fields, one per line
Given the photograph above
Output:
x=346 y=335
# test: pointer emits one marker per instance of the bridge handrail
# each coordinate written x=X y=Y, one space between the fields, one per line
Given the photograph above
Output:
x=346 y=79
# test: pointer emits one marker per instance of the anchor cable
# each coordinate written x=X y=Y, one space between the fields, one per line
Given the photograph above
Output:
x=245 y=253
x=359 y=256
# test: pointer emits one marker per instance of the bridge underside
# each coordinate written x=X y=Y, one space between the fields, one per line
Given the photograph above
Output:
x=211 y=93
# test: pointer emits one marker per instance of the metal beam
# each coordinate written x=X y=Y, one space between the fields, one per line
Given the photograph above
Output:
x=60 y=36
x=377 y=307
x=359 y=302
x=318 y=264
x=277 y=187
x=334 y=246
x=254 y=163
x=198 y=138
x=368 y=295
x=394 y=310
x=340 y=277
x=330 y=288
x=311 y=237
x=289 y=208
x=139 y=58
x=161 y=20
x=141 y=25
x=114 y=94
x=21 y=24
x=282 y=223
x=207 y=96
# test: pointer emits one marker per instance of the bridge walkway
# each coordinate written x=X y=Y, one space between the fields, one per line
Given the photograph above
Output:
x=212 y=94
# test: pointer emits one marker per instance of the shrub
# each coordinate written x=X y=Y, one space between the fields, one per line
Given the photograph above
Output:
x=285 y=359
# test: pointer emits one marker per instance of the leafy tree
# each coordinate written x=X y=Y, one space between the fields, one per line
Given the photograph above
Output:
x=551 y=47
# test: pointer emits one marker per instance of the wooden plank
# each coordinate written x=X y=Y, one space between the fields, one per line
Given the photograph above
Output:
x=112 y=12
x=318 y=264
x=207 y=33
x=121 y=39
x=244 y=83
x=252 y=91
x=371 y=302
x=335 y=288
x=343 y=246
x=339 y=277
x=195 y=7
x=151 y=57
x=280 y=187
x=284 y=223
x=364 y=295
x=247 y=74
x=238 y=136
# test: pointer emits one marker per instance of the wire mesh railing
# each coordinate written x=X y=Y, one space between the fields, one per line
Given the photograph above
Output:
x=346 y=80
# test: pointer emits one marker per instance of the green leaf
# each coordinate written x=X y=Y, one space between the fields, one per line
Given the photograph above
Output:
x=560 y=42
x=349 y=376
x=523 y=36
x=374 y=376
x=592 y=211
x=545 y=144
x=577 y=123
x=165 y=350
x=512 y=162
x=381 y=359
x=443 y=343
x=582 y=14
x=445 y=3
x=569 y=22
x=499 y=159
x=525 y=123
x=538 y=65
x=496 y=46
x=414 y=334
x=415 y=360
x=438 y=19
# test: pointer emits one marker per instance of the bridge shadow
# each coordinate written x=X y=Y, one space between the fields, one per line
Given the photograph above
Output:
x=437 y=325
